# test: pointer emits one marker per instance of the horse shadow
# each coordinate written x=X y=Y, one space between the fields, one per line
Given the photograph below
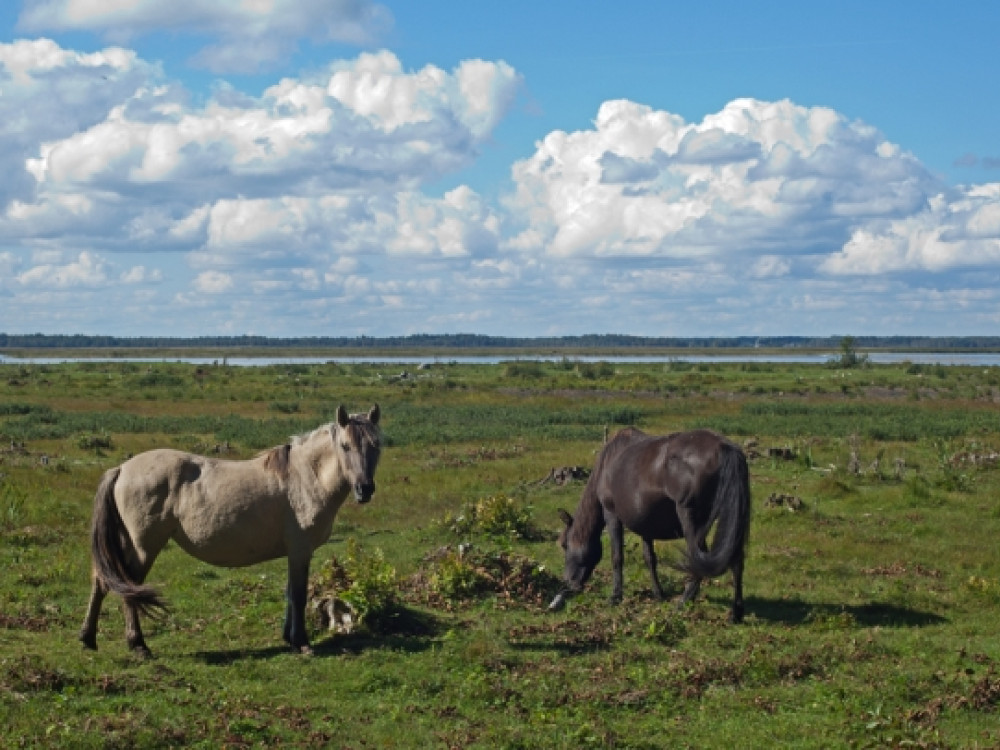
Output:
x=407 y=630
x=870 y=614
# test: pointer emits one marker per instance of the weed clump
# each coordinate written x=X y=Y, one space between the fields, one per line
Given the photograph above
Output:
x=497 y=516
x=363 y=585
x=459 y=575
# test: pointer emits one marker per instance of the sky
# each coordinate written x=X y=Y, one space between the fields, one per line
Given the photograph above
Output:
x=307 y=168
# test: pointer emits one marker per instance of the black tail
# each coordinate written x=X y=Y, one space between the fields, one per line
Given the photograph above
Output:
x=107 y=548
x=731 y=508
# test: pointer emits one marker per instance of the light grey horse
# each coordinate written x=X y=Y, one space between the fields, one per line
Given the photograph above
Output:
x=227 y=513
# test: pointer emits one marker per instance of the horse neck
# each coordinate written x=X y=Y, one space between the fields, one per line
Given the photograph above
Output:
x=321 y=461
x=588 y=522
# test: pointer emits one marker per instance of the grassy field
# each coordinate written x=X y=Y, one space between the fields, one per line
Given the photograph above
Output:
x=873 y=576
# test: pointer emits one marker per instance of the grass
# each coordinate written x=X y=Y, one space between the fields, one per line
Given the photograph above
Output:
x=871 y=599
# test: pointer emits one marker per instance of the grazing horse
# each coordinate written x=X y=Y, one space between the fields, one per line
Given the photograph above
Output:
x=662 y=488
x=227 y=513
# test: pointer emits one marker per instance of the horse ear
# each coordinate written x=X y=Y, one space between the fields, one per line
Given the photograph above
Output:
x=343 y=418
x=566 y=518
x=374 y=414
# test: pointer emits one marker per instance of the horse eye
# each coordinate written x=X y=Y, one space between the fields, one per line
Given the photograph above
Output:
x=346 y=447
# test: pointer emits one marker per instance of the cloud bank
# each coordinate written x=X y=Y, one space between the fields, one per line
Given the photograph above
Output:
x=308 y=209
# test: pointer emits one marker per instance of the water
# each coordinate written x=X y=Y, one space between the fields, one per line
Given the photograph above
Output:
x=751 y=356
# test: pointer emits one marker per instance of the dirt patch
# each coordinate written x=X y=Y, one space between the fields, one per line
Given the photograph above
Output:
x=900 y=569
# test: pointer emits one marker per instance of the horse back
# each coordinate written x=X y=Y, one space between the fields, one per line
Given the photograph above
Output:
x=652 y=479
x=151 y=479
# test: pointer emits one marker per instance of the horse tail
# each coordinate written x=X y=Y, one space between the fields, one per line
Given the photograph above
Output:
x=107 y=547
x=731 y=511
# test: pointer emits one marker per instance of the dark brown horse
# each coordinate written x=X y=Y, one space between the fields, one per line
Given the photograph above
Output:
x=667 y=487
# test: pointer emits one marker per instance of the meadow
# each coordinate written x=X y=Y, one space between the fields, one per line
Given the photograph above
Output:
x=872 y=580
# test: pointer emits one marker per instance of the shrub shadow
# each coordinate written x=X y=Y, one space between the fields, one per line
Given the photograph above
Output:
x=403 y=629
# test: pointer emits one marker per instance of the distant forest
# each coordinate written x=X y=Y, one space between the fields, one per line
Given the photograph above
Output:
x=476 y=341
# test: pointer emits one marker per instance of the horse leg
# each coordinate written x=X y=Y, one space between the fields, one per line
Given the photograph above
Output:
x=294 y=630
x=139 y=569
x=690 y=591
x=286 y=625
x=133 y=632
x=88 y=633
x=649 y=555
x=616 y=533
x=693 y=585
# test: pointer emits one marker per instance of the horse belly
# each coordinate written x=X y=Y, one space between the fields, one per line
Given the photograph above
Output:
x=656 y=519
x=227 y=548
x=230 y=529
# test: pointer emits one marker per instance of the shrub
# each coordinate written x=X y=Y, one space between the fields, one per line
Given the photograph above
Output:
x=596 y=370
x=527 y=370
x=460 y=575
x=455 y=578
x=496 y=516
x=849 y=356
x=94 y=442
x=365 y=581
x=158 y=378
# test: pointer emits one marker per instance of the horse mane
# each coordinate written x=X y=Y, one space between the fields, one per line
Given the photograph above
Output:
x=357 y=430
x=589 y=516
x=277 y=460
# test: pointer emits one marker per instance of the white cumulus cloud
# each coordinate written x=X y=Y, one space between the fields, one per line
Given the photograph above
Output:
x=87 y=270
x=213 y=282
x=297 y=168
x=957 y=229
x=754 y=177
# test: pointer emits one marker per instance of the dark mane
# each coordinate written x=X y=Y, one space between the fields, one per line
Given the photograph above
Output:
x=276 y=460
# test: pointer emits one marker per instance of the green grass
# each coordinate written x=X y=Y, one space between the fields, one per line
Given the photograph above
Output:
x=871 y=601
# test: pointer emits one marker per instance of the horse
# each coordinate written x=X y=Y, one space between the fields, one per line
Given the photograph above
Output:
x=281 y=503
x=665 y=487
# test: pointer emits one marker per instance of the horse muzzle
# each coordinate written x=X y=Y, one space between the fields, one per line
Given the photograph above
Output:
x=363 y=492
x=560 y=600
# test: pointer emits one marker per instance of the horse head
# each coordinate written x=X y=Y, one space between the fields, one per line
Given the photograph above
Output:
x=581 y=557
x=358 y=440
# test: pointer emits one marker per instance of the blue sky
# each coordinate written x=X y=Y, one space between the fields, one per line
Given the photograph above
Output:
x=345 y=167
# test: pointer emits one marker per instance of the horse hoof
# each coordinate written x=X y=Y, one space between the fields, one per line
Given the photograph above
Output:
x=89 y=642
x=305 y=650
x=142 y=651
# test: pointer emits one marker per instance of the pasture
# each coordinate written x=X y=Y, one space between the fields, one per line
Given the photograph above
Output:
x=872 y=582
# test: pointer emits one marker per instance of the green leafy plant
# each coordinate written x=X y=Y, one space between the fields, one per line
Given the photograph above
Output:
x=365 y=581
x=455 y=577
x=499 y=516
